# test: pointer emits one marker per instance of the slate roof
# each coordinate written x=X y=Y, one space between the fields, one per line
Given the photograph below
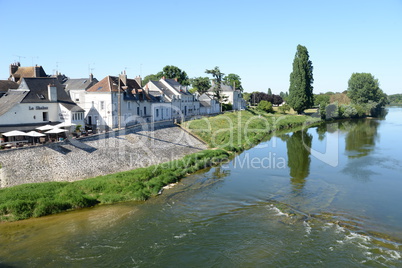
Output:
x=35 y=90
x=39 y=90
x=5 y=85
x=79 y=83
x=177 y=86
x=205 y=104
x=223 y=88
x=10 y=99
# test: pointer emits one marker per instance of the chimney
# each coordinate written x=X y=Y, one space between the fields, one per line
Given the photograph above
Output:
x=163 y=77
x=37 y=71
x=14 y=68
x=138 y=79
x=52 y=92
x=123 y=78
x=91 y=77
x=175 y=79
x=147 y=89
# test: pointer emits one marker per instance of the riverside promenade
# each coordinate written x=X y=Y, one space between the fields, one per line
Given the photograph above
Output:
x=106 y=153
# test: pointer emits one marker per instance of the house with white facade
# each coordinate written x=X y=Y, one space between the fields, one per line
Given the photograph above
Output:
x=38 y=101
x=117 y=97
x=183 y=103
x=232 y=96
x=76 y=88
x=208 y=105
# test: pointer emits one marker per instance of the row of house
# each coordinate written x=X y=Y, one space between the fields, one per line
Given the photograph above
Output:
x=31 y=97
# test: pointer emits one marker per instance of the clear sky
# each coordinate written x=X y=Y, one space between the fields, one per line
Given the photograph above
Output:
x=255 y=39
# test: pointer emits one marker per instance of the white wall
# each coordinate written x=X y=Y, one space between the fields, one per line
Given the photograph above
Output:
x=30 y=113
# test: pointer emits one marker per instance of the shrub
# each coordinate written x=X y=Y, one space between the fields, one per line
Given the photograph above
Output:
x=284 y=109
x=265 y=106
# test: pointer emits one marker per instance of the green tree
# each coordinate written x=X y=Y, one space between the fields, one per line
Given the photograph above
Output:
x=364 y=88
x=265 y=106
x=270 y=91
x=172 y=72
x=233 y=80
x=218 y=78
x=301 y=80
x=152 y=77
x=201 y=84
x=246 y=96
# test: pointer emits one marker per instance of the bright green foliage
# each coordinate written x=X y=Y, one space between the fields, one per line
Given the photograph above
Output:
x=265 y=106
x=201 y=84
x=39 y=199
x=301 y=80
x=321 y=98
x=364 y=88
x=233 y=80
x=284 y=108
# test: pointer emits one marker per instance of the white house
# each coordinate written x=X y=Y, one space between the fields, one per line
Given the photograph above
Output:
x=76 y=88
x=39 y=101
x=233 y=96
x=114 y=96
x=208 y=105
x=183 y=103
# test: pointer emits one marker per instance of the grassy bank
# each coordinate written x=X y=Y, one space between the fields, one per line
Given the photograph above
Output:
x=229 y=132
x=238 y=131
x=39 y=199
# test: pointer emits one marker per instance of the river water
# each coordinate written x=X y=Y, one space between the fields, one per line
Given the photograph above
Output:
x=329 y=196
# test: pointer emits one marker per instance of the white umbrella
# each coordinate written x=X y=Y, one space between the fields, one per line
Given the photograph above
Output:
x=35 y=134
x=45 y=127
x=56 y=131
x=65 y=124
x=14 y=133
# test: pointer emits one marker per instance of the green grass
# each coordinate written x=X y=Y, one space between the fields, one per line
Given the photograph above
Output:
x=236 y=131
x=39 y=199
x=229 y=132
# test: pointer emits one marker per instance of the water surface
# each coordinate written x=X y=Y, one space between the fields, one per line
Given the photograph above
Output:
x=277 y=204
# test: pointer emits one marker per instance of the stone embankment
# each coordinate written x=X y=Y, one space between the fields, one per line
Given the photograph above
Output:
x=77 y=159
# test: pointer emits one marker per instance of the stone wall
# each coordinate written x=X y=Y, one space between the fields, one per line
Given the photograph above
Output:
x=76 y=159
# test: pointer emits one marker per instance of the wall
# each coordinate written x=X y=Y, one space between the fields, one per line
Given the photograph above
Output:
x=97 y=155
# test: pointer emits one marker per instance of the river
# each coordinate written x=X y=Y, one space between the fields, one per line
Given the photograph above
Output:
x=278 y=204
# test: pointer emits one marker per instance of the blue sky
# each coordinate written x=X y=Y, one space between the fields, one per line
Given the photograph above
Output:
x=255 y=39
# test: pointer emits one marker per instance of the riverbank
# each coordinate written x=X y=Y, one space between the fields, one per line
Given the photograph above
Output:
x=227 y=133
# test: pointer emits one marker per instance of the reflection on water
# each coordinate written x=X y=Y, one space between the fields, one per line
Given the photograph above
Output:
x=299 y=158
x=244 y=216
x=361 y=137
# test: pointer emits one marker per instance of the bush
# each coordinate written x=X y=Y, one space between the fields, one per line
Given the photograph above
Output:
x=284 y=109
x=265 y=106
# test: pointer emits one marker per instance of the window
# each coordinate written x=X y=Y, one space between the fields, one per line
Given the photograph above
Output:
x=77 y=97
x=102 y=105
x=138 y=110
x=157 y=112
x=129 y=105
x=145 y=110
x=45 y=116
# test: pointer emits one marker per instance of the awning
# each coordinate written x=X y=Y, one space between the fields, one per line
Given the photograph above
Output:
x=14 y=133
x=56 y=131
x=35 y=134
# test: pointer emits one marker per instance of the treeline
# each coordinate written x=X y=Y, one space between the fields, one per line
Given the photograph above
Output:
x=395 y=99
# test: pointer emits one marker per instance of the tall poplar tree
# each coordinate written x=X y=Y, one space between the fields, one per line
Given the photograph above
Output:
x=301 y=80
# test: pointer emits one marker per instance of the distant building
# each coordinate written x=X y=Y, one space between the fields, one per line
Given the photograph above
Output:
x=76 y=88
x=233 y=96
x=208 y=105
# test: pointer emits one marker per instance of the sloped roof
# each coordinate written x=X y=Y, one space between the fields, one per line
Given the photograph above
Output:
x=223 y=88
x=177 y=86
x=5 y=85
x=38 y=89
x=10 y=99
x=133 y=91
x=205 y=104
x=79 y=83
x=32 y=71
